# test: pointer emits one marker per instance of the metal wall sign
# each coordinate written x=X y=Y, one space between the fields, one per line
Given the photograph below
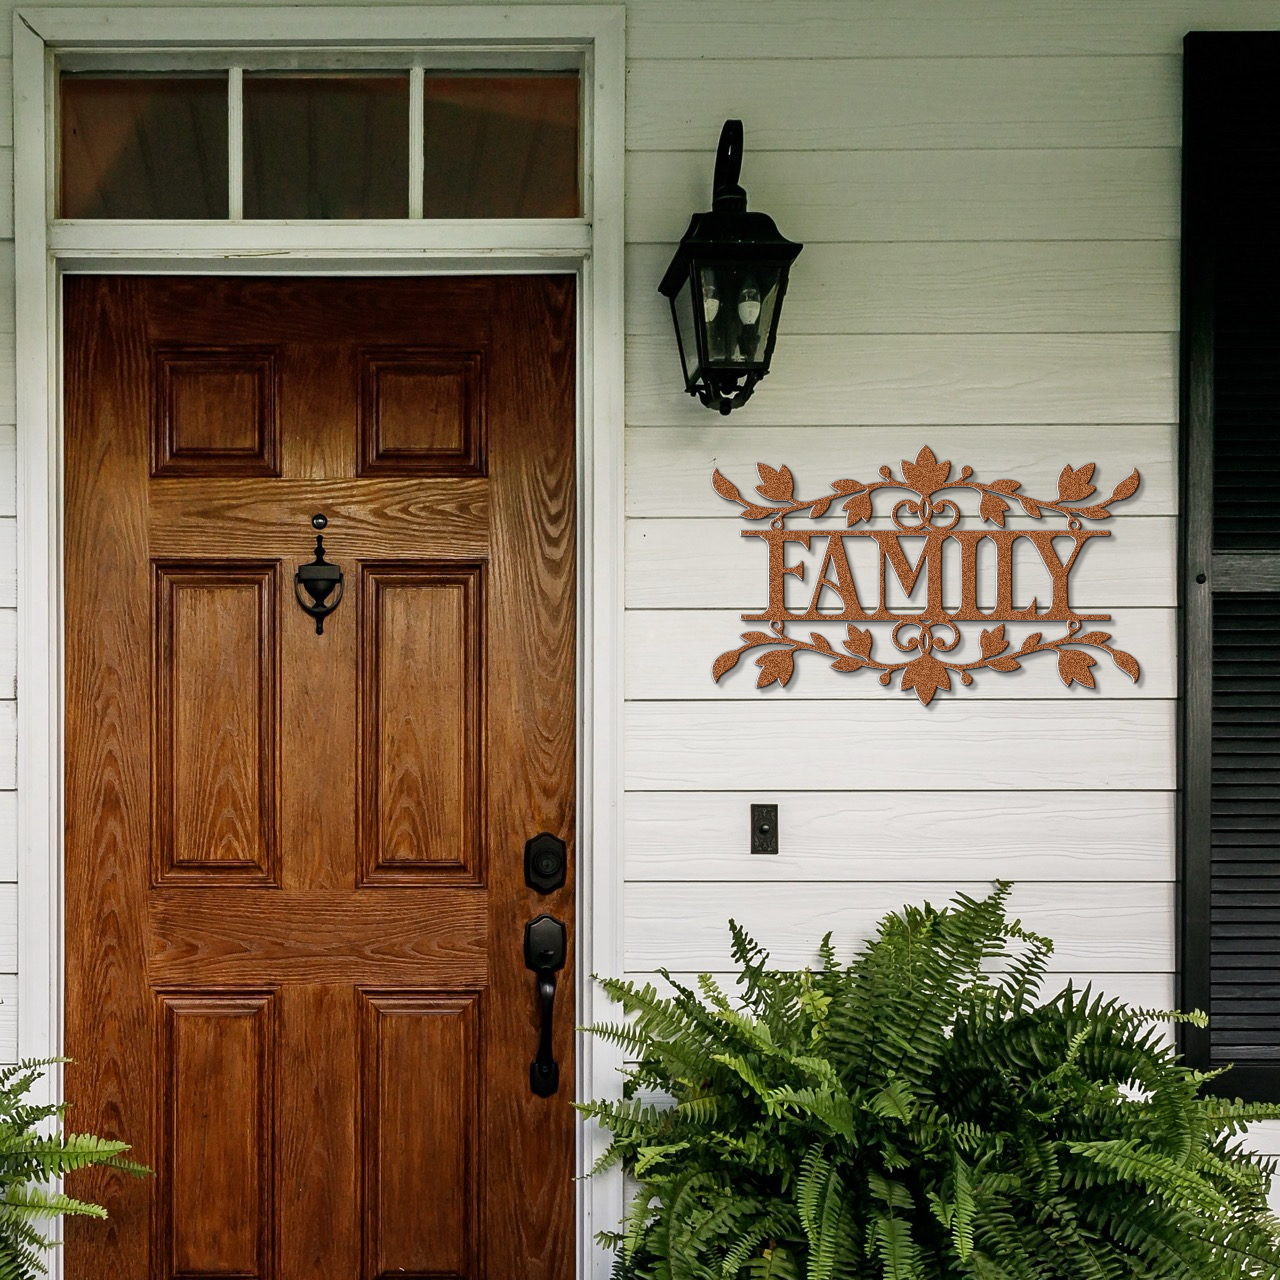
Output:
x=925 y=536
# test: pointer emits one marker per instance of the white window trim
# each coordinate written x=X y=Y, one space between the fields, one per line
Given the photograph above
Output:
x=591 y=247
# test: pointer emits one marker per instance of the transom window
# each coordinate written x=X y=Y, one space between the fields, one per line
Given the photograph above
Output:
x=243 y=143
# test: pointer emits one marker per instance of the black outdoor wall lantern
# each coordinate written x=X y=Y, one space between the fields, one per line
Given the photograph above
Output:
x=726 y=285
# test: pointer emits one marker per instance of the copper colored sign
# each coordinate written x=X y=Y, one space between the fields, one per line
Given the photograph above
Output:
x=932 y=521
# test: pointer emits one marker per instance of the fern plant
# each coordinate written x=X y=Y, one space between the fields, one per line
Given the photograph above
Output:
x=922 y=1114
x=31 y=1158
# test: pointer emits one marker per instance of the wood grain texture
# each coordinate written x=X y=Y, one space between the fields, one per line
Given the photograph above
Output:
x=421 y=709
x=1126 y=286
x=217 y=729
x=933 y=28
x=470 y=695
x=420 y=1152
x=956 y=744
x=860 y=104
x=1104 y=927
x=1134 y=567
x=669 y=653
x=217 y=1134
x=669 y=468
x=887 y=836
x=842 y=196
x=980 y=380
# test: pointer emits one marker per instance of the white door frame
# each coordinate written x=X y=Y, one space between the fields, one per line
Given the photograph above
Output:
x=591 y=247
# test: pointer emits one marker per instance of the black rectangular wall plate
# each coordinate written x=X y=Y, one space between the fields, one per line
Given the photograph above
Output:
x=764 y=828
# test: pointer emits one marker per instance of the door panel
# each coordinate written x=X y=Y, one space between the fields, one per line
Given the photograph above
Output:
x=295 y=898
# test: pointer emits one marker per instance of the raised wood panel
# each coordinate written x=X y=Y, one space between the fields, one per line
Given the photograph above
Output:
x=669 y=653
x=1104 y=927
x=367 y=518
x=434 y=938
x=216 y=1095
x=420 y=1175
x=981 y=380
x=1128 y=286
x=215 y=412
x=933 y=28
x=217 y=726
x=422 y=413
x=842 y=196
x=839 y=104
x=669 y=468
x=421 y=714
x=955 y=744
x=867 y=835
x=708 y=564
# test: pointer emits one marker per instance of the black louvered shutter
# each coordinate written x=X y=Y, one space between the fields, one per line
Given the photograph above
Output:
x=1230 y=574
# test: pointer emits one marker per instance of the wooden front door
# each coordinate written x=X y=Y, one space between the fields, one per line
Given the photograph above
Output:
x=295 y=892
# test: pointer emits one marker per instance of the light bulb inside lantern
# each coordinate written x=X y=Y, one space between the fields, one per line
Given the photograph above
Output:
x=710 y=300
x=749 y=304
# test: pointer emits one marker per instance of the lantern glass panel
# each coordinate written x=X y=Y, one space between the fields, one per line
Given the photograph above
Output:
x=686 y=331
x=739 y=301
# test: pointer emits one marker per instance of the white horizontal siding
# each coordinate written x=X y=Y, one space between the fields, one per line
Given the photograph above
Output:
x=1115 y=194
x=840 y=104
x=683 y=926
x=979 y=379
x=890 y=836
x=1107 y=286
x=669 y=468
x=958 y=743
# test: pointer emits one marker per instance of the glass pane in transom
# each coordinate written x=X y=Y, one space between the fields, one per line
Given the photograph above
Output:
x=143 y=146
x=326 y=146
x=501 y=146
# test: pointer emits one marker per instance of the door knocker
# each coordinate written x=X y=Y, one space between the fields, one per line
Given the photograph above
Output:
x=319 y=579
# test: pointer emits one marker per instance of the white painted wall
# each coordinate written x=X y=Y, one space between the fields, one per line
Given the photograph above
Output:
x=988 y=193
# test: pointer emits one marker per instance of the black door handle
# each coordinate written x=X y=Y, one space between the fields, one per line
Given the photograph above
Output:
x=544 y=954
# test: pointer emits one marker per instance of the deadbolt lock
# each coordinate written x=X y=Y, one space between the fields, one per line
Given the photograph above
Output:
x=545 y=863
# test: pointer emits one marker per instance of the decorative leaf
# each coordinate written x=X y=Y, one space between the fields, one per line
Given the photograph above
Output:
x=777 y=485
x=1073 y=665
x=777 y=664
x=993 y=641
x=847 y=486
x=1004 y=486
x=859 y=641
x=857 y=508
x=726 y=662
x=847 y=664
x=1005 y=664
x=926 y=675
x=993 y=509
x=752 y=512
x=1091 y=513
x=820 y=508
x=926 y=473
x=1031 y=508
x=820 y=642
x=1074 y=486
x=1126 y=662
x=758 y=637
x=1030 y=642
x=1126 y=488
x=1092 y=637
x=725 y=488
